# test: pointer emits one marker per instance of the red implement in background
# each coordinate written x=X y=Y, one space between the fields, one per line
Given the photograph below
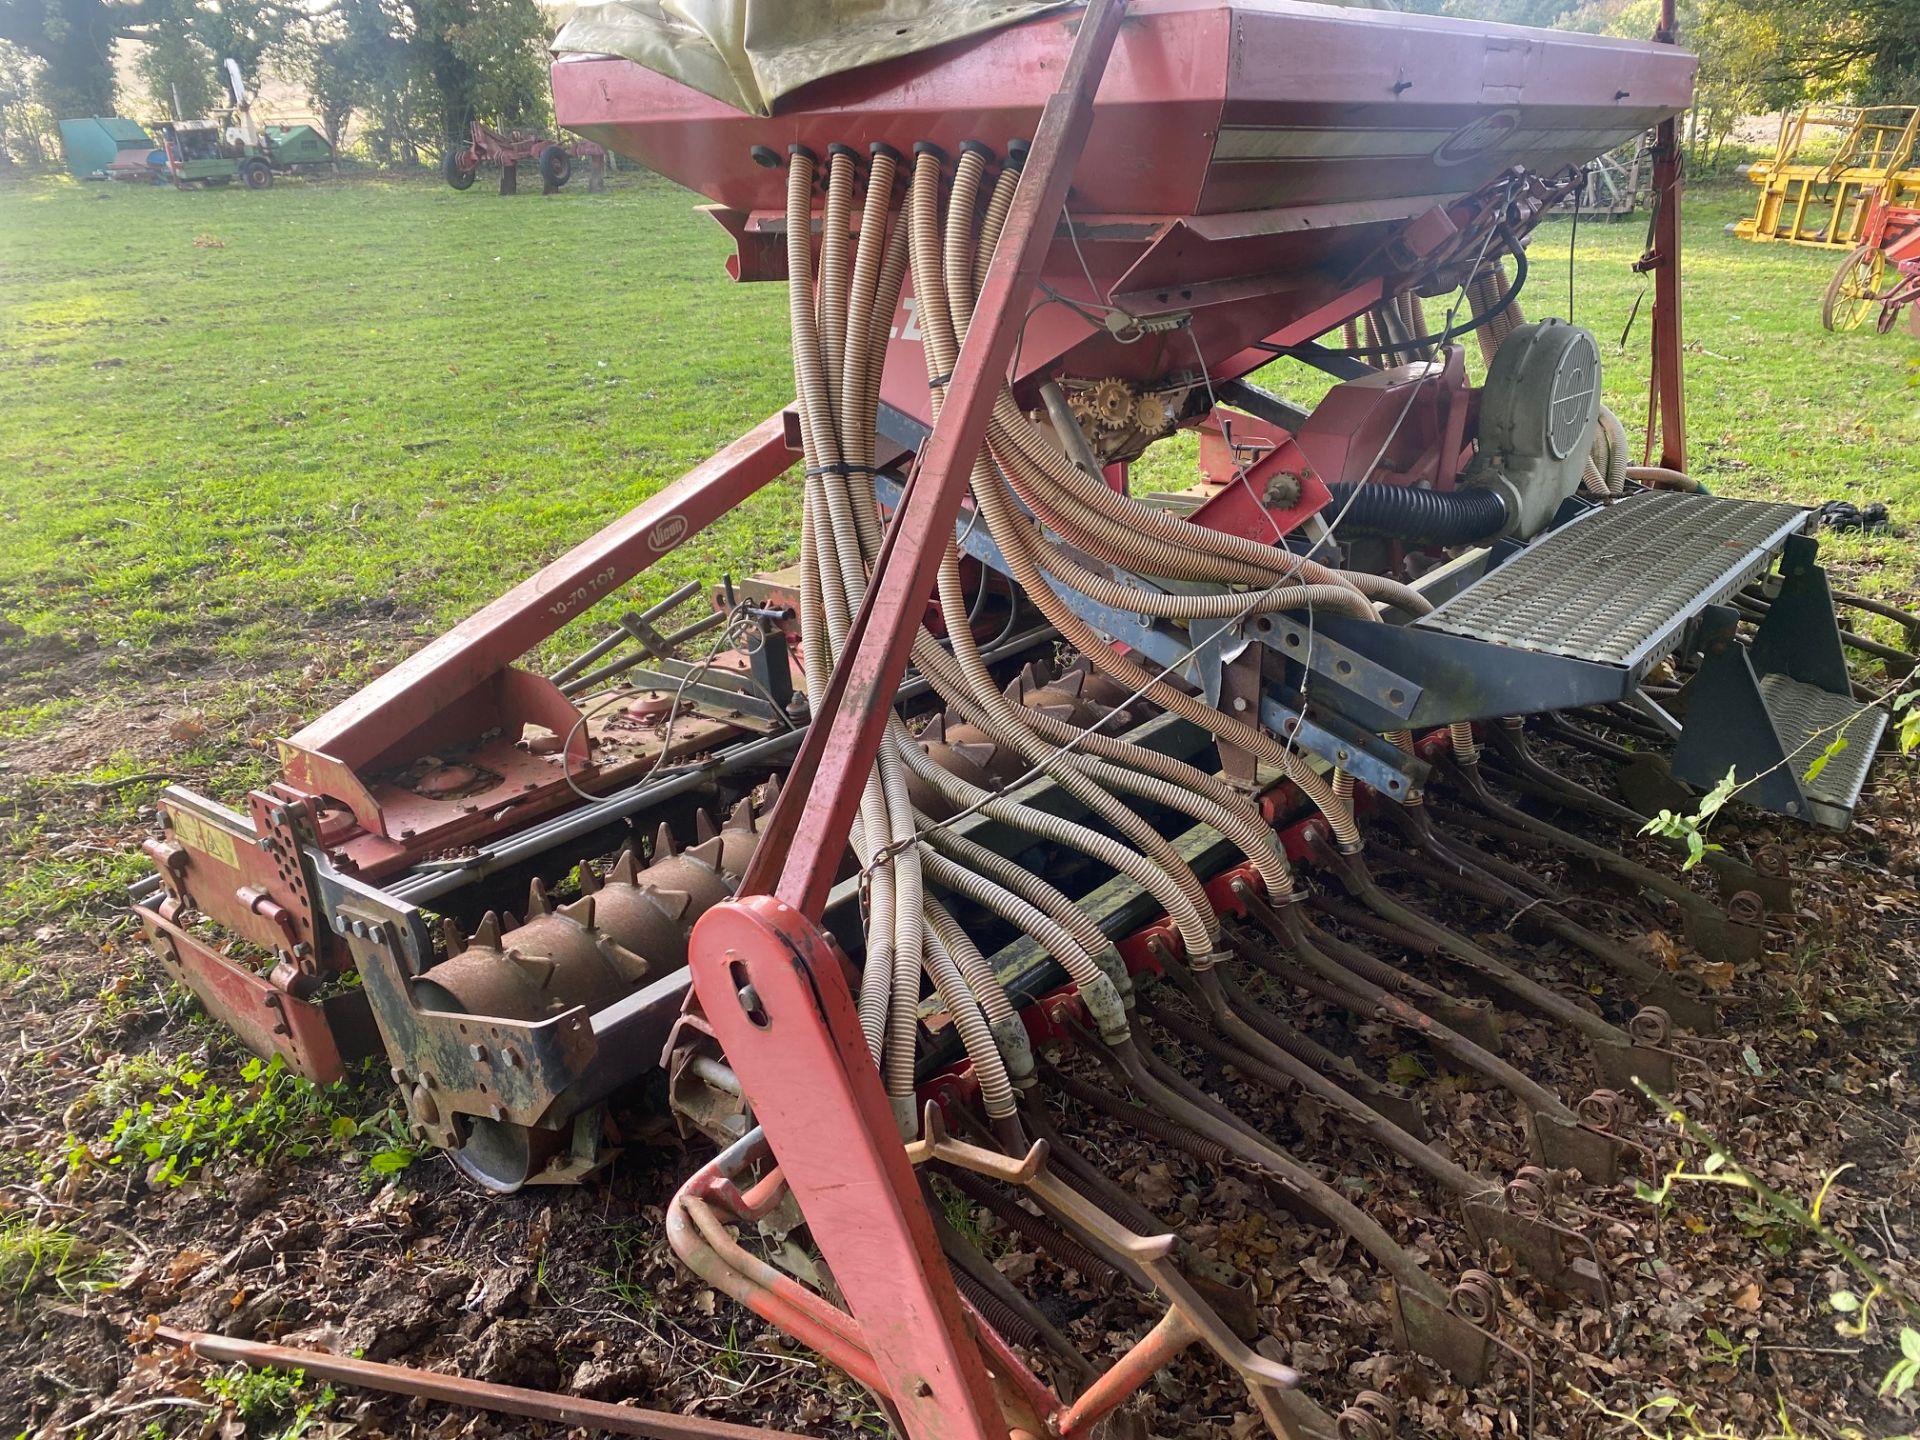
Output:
x=1882 y=276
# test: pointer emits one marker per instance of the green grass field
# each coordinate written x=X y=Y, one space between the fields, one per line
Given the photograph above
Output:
x=232 y=421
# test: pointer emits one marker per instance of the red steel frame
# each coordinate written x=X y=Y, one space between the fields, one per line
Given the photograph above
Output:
x=766 y=976
x=771 y=983
x=1666 y=407
x=1895 y=229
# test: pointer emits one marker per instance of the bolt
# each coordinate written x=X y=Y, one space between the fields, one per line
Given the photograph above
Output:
x=357 y=929
x=339 y=923
x=302 y=950
x=398 y=1075
x=922 y=1389
x=1240 y=704
x=496 y=1113
x=263 y=843
x=407 y=833
x=510 y=1058
x=478 y=1054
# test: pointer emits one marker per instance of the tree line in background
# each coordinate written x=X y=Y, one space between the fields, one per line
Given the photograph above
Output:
x=410 y=73
x=414 y=73
x=1756 y=56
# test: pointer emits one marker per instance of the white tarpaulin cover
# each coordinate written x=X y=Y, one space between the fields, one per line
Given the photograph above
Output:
x=748 y=53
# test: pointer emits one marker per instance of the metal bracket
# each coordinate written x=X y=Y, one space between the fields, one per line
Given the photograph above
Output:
x=1729 y=728
x=450 y=1065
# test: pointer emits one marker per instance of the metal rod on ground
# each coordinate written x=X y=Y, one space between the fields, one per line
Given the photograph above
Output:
x=476 y=1394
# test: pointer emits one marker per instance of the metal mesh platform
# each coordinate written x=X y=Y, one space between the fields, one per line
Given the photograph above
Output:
x=1807 y=720
x=1618 y=584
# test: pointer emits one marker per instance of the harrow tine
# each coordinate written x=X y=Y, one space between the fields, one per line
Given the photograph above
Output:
x=1202 y=1126
x=1148 y=1255
x=1227 y=1293
x=1559 y=1137
x=1446 y=868
x=1614 y=1052
x=1557 y=1256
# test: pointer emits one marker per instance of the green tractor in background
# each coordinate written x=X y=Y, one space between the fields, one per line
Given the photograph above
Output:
x=219 y=151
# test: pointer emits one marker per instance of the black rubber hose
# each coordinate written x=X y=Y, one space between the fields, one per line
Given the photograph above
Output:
x=1433 y=517
x=1443 y=337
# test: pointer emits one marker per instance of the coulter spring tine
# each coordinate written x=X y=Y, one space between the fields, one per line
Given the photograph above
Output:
x=1706 y=924
x=1558 y=1136
x=1267 y=1037
x=1472 y=1016
x=1005 y=1298
x=1520 y=769
x=1646 y=981
x=1559 y=1257
x=1614 y=1052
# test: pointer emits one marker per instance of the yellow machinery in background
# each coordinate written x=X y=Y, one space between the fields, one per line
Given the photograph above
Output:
x=1830 y=167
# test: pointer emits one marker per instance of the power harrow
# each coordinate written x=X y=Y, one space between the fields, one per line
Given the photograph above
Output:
x=1026 y=815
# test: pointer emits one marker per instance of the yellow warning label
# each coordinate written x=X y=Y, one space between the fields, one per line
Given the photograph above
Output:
x=198 y=834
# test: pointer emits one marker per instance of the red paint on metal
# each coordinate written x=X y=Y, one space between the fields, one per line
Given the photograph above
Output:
x=1668 y=395
x=1160 y=1347
x=772 y=989
x=837 y=754
x=449 y=670
x=1207 y=108
x=1248 y=504
x=266 y=1019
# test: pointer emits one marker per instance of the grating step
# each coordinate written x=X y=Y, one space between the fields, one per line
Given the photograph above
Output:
x=1618 y=584
x=1808 y=719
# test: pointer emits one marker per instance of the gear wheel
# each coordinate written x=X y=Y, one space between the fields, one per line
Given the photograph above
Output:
x=1110 y=403
x=1153 y=414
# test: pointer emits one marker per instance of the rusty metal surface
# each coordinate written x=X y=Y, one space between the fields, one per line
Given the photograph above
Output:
x=459 y=1390
x=266 y=1019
